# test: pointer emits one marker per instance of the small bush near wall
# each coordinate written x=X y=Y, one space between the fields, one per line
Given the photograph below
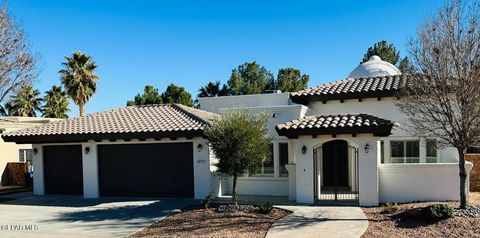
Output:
x=475 y=173
x=438 y=211
x=265 y=208
x=389 y=208
x=208 y=201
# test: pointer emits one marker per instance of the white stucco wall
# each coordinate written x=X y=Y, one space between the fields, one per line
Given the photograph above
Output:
x=263 y=186
x=278 y=108
x=201 y=168
x=90 y=170
x=368 y=166
x=368 y=171
x=372 y=183
x=384 y=108
x=304 y=169
x=275 y=115
x=214 y=104
x=420 y=182
x=38 y=181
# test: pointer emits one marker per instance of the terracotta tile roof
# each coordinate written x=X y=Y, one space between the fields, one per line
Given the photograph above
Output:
x=336 y=124
x=351 y=88
x=132 y=122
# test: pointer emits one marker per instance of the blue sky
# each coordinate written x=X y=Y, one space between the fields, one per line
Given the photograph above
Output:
x=190 y=43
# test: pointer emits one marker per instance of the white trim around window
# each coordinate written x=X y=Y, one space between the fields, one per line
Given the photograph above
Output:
x=277 y=146
x=423 y=155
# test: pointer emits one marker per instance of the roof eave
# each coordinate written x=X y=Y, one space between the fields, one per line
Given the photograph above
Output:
x=305 y=99
x=380 y=131
x=78 y=138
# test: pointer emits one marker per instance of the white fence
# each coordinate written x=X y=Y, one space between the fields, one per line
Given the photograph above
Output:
x=420 y=182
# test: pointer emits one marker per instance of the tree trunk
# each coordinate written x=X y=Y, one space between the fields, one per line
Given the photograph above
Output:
x=234 y=190
x=463 y=177
x=81 y=107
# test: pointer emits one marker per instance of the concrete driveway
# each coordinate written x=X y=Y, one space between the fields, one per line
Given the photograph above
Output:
x=319 y=221
x=74 y=216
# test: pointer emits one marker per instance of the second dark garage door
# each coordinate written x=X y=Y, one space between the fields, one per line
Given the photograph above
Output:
x=146 y=170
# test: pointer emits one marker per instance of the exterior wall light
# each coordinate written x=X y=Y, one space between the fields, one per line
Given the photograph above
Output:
x=367 y=148
x=87 y=150
x=199 y=147
x=304 y=149
x=35 y=151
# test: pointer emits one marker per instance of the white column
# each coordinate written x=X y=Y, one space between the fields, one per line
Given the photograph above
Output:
x=38 y=179
x=368 y=172
x=387 y=153
x=292 y=194
x=304 y=171
x=201 y=168
x=423 y=150
x=292 y=151
x=276 y=160
x=90 y=170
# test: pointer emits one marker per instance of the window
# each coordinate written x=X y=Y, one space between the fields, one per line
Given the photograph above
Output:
x=283 y=158
x=431 y=151
x=382 y=152
x=405 y=151
x=25 y=155
x=267 y=169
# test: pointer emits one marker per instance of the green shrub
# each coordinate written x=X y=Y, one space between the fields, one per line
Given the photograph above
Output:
x=207 y=202
x=265 y=208
x=438 y=211
x=390 y=208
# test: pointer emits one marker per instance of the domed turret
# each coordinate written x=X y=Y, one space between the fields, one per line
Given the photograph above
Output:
x=374 y=67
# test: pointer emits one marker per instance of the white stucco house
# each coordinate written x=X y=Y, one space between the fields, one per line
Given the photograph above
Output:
x=344 y=142
x=340 y=142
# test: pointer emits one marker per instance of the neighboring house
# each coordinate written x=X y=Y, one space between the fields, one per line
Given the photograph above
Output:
x=338 y=142
x=11 y=152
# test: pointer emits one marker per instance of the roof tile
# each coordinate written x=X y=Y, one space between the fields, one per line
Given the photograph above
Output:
x=352 y=88
x=131 y=119
x=332 y=124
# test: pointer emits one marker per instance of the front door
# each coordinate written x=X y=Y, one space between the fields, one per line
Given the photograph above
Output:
x=336 y=173
x=335 y=164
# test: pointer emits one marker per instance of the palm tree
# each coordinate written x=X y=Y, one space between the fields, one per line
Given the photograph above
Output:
x=56 y=103
x=25 y=102
x=79 y=78
x=213 y=90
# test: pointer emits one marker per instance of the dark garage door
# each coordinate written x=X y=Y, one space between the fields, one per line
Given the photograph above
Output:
x=146 y=170
x=62 y=168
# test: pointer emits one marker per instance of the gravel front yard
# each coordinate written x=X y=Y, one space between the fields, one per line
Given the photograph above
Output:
x=393 y=225
x=199 y=222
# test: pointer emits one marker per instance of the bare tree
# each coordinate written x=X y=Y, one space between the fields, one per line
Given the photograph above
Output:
x=442 y=98
x=17 y=63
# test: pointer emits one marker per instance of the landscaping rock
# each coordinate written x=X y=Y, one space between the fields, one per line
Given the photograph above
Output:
x=230 y=208
x=470 y=211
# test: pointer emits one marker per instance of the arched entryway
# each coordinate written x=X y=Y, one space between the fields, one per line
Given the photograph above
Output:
x=336 y=172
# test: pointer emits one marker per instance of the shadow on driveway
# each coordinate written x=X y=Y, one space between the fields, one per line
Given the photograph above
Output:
x=79 y=201
x=123 y=211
